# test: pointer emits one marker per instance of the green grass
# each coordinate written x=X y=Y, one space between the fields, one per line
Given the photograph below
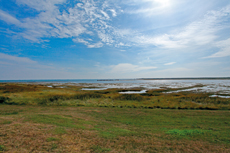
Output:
x=114 y=132
x=9 y=112
x=54 y=146
x=5 y=122
x=141 y=122
x=191 y=132
x=59 y=130
x=55 y=120
x=99 y=149
x=115 y=129
x=51 y=139
x=2 y=148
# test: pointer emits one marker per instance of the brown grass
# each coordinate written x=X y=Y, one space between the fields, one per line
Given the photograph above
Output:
x=28 y=137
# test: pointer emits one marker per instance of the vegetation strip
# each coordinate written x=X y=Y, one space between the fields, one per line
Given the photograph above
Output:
x=26 y=94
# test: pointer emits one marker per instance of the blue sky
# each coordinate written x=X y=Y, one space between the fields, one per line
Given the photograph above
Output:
x=87 y=39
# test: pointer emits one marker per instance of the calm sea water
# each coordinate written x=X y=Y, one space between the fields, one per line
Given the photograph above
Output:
x=114 y=81
x=127 y=81
x=73 y=81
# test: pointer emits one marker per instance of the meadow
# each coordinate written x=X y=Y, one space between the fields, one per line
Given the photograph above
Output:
x=37 y=118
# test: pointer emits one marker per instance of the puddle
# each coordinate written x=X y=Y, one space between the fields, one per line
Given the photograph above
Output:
x=94 y=88
x=133 y=92
x=219 y=96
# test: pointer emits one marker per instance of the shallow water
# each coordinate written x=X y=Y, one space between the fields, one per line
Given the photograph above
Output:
x=212 y=86
x=133 y=92
x=219 y=96
x=94 y=88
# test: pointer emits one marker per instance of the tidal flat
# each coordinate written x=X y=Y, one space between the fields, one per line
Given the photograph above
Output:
x=36 y=117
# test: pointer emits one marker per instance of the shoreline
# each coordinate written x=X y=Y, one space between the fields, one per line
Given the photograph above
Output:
x=110 y=80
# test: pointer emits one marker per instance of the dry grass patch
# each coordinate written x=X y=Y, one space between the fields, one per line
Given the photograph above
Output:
x=29 y=137
x=56 y=129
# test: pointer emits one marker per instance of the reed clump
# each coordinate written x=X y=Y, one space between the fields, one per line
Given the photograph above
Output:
x=13 y=88
x=3 y=99
x=134 y=97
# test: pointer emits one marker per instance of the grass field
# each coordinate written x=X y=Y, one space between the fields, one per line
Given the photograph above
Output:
x=35 y=118
x=97 y=129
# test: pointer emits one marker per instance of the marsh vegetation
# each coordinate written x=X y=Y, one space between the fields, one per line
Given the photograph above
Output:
x=27 y=94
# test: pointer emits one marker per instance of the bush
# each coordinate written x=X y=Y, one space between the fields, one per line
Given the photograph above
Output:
x=57 y=97
x=129 y=97
x=84 y=96
x=54 y=99
x=3 y=99
x=2 y=148
x=16 y=88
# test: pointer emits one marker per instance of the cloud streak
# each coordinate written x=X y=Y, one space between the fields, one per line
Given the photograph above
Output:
x=197 y=33
x=224 y=51
x=16 y=59
x=171 y=63
x=14 y=68
x=127 y=67
x=94 y=19
x=8 y=18
x=84 y=18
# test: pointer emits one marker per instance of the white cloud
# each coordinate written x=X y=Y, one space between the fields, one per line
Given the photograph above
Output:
x=224 y=46
x=198 y=33
x=86 y=17
x=114 y=13
x=105 y=14
x=163 y=41
x=96 y=45
x=5 y=63
x=40 y=5
x=169 y=73
x=90 y=18
x=8 y=18
x=106 y=38
x=171 y=63
x=13 y=67
x=11 y=59
x=81 y=41
x=127 y=67
x=151 y=7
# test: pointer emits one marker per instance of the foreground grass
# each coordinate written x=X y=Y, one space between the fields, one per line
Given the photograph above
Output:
x=98 y=129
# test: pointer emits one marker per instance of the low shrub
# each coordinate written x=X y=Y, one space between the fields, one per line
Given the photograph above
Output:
x=2 y=148
x=83 y=96
x=4 y=99
x=55 y=99
x=134 y=97
x=12 y=88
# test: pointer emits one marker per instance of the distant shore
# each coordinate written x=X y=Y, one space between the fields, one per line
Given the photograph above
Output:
x=108 y=80
x=200 y=78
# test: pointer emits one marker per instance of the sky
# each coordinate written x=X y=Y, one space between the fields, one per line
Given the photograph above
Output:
x=107 y=39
